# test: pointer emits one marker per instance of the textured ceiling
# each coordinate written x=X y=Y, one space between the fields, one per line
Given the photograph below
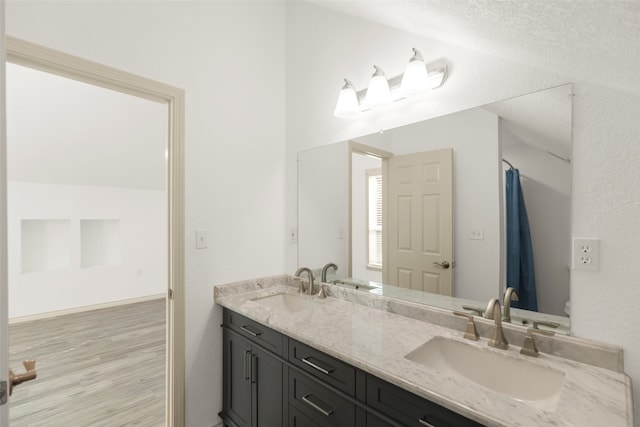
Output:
x=592 y=40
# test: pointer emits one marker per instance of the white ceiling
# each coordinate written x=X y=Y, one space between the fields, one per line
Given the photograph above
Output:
x=541 y=119
x=63 y=131
x=592 y=40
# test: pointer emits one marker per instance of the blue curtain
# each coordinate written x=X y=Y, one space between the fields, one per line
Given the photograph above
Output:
x=520 y=275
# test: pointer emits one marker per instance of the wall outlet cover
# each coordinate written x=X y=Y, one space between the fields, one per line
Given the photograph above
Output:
x=586 y=254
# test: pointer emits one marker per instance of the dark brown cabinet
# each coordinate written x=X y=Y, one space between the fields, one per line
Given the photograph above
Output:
x=271 y=380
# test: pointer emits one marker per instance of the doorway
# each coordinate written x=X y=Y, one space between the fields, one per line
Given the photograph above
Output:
x=97 y=243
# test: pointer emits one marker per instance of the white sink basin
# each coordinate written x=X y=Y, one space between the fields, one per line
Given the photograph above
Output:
x=289 y=303
x=514 y=377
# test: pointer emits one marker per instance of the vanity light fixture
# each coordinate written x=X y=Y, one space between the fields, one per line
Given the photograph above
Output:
x=417 y=78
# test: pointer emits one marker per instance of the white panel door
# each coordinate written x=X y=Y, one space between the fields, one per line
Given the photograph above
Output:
x=418 y=220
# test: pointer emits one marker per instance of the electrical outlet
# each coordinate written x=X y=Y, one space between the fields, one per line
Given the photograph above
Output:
x=586 y=254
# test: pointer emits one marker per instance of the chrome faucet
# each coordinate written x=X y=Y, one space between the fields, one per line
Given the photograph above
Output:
x=509 y=295
x=309 y=274
x=493 y=313
x=323 y=276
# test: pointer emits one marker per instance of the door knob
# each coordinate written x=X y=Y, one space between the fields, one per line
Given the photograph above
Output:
x=443 y=264
x=28 y=375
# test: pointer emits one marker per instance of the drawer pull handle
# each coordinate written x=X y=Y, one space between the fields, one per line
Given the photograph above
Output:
x=425 y=423
x=250 y=332
x=306 y=360
x=315 y=406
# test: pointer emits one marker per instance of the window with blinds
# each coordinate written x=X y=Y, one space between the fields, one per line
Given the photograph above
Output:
x=374 y=218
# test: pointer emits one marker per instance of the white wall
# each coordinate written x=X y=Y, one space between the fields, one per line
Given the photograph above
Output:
x=323 y=230
x=137 y=269
x=606 y=159
x=546 y=186
x=229 y=57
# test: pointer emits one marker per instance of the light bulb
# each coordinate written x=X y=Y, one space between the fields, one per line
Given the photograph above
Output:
x=415 y=77
x=347 y=104
x=378 y=92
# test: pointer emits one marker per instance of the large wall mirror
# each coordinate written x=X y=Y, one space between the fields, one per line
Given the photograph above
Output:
x=435 y=194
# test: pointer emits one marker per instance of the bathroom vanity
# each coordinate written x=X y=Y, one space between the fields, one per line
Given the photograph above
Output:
x=348 y=360
x=271 y=379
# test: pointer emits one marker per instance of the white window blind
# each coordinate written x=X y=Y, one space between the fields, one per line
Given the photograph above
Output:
x=374 y=218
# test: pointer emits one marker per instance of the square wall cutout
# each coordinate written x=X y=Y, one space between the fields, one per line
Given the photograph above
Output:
x=100 y=243
x=46 y=245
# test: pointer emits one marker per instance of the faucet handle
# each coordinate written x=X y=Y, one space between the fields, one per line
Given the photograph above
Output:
x=537 y=323
x=529 y=347
x=300 y=283
x=472 y=332
x=476 y=310
x=322 y=293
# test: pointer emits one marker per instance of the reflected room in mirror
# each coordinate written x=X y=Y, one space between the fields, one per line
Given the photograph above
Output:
x=450 y=211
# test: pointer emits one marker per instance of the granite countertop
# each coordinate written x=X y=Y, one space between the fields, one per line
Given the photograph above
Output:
x=377 y=341
x=452 y=303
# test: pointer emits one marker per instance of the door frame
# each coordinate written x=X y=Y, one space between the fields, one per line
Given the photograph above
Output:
x=34 y=56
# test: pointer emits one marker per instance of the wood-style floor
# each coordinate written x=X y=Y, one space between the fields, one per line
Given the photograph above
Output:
x=103 y=367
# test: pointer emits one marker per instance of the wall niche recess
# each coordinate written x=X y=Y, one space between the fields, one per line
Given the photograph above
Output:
x=46 y=245
x=100 y=243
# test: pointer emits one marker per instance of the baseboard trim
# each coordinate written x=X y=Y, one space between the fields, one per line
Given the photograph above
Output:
x=73 y=310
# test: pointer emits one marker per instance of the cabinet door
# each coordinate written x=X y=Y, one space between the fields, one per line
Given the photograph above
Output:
x=266 y=377
x=237 y=378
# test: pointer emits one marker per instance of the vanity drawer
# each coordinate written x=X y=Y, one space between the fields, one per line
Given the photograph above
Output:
x=374 y=421
x=256 y=332
x=298 y=419
x=328 y=369
x=318 y=403
x=409 y=409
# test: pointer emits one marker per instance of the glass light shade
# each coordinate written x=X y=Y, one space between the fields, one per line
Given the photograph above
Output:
x=378 y=92
x=347 y=104
x=415 y=78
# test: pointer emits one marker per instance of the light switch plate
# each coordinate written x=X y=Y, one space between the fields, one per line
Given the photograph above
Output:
x=201 y=239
